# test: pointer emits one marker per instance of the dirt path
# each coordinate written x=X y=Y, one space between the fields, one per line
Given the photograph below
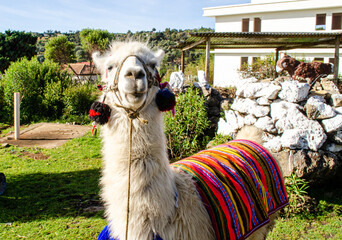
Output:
x=46 y=135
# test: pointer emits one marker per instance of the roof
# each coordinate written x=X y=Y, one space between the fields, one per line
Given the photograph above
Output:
x=271 y=6
x=82 y=69
x=274 y=40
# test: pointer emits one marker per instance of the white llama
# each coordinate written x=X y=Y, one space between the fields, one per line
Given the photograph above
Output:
x=164 y=201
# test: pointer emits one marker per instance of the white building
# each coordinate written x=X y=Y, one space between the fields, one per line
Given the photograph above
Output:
x=272 y=16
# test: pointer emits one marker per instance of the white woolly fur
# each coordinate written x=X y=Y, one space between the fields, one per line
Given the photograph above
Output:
x=153 y=206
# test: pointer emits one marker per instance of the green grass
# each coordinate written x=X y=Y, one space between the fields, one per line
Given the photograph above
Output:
x=49 y=197
x=49 y=194
x=324 y=221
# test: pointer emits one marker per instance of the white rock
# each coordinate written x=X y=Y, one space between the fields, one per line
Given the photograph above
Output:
x=293 y=91
x=302 y=139
x=337 y=100
x=329 y=85
x=316 y=108
x=263 y=101
x=229 y=126
x=338 y=110
x=242 y=84
x=333 y=124
x=240 y=120
x=177 y=80
x=338 y=136
x=306 y=133
x=248 y=106
x=266 y=124
x=273 y=144
x=295 y=119
x=270 y=92
x=258 y=89
x=332 y=147
x=248 y=90
x=279 y=109
x=250 y=119
x=202 y=81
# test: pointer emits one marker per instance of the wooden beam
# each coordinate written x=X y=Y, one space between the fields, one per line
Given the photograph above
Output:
x=307 y=45
x=193 y=45
x=182 y=62
x=207 y=59
x=337 y=56
x=276 y=60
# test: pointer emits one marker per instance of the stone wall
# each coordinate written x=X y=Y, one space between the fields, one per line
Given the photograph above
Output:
x=302 y=127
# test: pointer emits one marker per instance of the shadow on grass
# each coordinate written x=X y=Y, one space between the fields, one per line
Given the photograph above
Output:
x=44 y=195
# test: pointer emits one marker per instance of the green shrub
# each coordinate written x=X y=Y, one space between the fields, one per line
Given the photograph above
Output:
x=297 y=194
x=185 y=131
x=3 y=114
x=34 y=81
x=77 y=100
x=53 y=100
x=218 y=139
x=260 y=68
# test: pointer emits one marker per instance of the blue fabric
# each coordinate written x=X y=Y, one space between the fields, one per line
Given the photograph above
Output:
x=105 y=235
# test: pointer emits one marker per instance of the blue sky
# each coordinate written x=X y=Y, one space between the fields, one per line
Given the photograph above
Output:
x=117 y=16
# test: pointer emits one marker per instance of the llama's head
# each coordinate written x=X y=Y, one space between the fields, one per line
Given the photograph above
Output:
x=287 y=63
x=129 y=71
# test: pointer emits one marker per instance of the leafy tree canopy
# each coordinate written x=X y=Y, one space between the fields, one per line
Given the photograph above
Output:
x=15 y=45
x=95 y=40
x=60 y=50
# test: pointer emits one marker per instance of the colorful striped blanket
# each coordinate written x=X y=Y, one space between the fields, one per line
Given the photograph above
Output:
x=240 y=184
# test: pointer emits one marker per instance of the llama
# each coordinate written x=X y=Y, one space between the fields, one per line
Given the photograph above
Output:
x=165 y=201
x=313 y=70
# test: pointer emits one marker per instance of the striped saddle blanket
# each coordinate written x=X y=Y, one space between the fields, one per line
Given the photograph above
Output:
x=240 y=185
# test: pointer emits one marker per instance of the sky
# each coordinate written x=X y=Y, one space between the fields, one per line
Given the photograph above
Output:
x=116 y=16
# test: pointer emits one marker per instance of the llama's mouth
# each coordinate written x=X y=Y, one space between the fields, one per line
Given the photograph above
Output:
x=134 y=97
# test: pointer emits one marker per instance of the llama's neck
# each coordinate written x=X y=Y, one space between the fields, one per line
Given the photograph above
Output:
x=152 y=193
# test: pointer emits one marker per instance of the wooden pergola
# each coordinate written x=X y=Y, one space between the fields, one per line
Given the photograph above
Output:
x=279 y=41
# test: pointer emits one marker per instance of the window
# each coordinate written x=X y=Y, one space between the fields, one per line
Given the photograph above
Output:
x=318 y=60
x=320 y=21
x=245 y=25
x=336 y=21
x=244 y=62
x=257 y=25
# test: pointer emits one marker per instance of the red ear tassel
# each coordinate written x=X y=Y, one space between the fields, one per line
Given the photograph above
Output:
x=99 y=112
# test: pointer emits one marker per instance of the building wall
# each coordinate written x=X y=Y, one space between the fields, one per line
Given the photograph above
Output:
x=296 y=21
x=282 y=20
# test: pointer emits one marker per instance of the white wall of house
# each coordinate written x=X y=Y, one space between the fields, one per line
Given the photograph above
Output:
x=276 y=16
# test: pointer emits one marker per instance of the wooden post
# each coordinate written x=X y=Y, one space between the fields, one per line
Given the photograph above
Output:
x=16 y=116
x=207 y=60
x=182 y=62
x=337 y=56
x=276 y=60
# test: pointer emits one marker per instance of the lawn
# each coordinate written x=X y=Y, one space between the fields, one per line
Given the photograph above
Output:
x=54 y=194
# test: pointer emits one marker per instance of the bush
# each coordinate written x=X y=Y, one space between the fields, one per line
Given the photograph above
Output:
x=185 y=131
x=260 y=68
x=297 y=194
x=77 y=100
x=35 y=81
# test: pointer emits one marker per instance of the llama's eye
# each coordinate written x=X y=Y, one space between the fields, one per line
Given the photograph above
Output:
x=152 y=65
x=110 y=68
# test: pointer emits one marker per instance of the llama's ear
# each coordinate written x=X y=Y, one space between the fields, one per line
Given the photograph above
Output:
x=159 y=54
x=99 y=61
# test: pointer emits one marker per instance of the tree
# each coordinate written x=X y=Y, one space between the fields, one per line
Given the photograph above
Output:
x=93 y=40
x=59 y=50
x=15 y=45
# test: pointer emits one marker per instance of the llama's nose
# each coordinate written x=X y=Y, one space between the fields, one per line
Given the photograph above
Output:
x=135 y=73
